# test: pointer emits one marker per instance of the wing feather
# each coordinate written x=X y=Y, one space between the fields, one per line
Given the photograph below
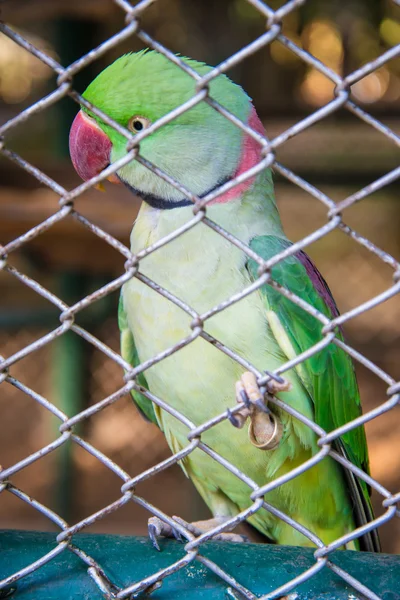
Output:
x=328 y=376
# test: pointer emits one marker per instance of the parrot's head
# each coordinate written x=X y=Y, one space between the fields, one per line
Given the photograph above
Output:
x=200 y=148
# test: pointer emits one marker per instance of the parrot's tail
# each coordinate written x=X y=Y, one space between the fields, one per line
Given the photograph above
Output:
x=362 y=508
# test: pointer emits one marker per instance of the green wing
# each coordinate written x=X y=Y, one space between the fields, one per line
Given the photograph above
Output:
x=328 y=376
x=129 y=353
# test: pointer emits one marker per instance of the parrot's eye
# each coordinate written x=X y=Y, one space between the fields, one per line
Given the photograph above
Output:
x=137 y=123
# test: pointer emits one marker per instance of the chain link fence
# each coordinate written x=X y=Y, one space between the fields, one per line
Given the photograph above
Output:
x=68 y=425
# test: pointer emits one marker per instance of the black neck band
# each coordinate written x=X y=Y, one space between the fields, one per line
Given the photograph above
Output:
x=162 y=203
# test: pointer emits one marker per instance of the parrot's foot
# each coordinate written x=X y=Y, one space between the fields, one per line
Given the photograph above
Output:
x=157 y=528
x=265 y=429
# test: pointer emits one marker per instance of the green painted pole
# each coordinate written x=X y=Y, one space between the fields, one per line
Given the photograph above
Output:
x=261 y=568
x=70 y=363
x=71 y=371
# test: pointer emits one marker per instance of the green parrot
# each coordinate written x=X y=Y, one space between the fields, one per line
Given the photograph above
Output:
x=203 y=150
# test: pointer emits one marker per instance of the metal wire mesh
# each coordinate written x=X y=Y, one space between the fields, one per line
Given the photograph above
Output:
x=335 y=216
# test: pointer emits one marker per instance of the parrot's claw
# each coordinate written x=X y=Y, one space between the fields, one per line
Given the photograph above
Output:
x=177 y=535
x=244 y=396
x=260 y=404
x=265 y=429
x=153 y=534
x=158 y=528
x=235 y=422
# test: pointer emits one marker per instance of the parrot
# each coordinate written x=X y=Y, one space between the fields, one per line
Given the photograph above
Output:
x=202 y=150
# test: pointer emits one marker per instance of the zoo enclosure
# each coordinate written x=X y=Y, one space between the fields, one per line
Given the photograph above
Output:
x=336 y=212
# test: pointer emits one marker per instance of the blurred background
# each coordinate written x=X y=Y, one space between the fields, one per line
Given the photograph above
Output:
x=340 y=155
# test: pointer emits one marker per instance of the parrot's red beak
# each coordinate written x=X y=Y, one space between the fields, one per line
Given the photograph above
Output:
x=89 y=148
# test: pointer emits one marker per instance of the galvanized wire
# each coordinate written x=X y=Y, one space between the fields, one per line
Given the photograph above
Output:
x=65 y=540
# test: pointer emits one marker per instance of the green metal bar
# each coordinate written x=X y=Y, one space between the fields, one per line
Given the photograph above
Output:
x=261 y=568
x=70 y=359
x=68 y=382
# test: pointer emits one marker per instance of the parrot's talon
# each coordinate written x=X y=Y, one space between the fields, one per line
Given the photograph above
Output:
x=153 y=534
x=158 y=528
x=232 y=419
x=245 y=398
x=260 y=404
x=177 y=535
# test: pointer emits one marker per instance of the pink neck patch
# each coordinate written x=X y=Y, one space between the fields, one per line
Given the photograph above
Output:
x=249 y=157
